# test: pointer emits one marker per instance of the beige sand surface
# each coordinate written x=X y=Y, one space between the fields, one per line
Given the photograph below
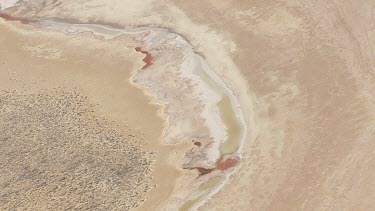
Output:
x=99 y=72
x=32 y=10
x=310 y=66
x=304 y=74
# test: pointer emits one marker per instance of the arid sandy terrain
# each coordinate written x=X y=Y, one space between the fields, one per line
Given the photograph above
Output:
x=71 y=116
x=186 y=105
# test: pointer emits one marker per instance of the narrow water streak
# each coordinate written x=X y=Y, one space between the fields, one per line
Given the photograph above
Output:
x=233 y=128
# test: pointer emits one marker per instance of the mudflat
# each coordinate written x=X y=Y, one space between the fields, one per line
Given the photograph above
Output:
x=260 y=105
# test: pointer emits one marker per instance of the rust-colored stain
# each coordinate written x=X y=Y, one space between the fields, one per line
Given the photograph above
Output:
x=226 y=164
x=222 y=164
x=147 y=59
x=203 y=171
x=11 y=18
x=197 y=143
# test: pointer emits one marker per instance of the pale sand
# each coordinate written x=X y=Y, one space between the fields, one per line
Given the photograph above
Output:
x=174 y=111
x=5 y=4
x=60 y=26
x=311 y=70
x=309 y=65
x=51 y=60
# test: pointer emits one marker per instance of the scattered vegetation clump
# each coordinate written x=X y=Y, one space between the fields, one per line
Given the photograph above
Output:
x=56 y=153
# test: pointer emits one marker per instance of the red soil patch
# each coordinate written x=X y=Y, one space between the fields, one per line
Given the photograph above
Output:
x=147 y=59
x=197 y=144
x=226 y=164
x=222 y=165
x=11 y=18
x=203 y=171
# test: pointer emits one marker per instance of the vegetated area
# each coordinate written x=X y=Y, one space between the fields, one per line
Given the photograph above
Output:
x=57 y=153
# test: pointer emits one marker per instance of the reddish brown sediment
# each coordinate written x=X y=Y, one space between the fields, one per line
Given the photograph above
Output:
x=226 y=164
x=147 y=59
x=197 y=144
x=11 y=18
x=204 y=171
x=222 y=164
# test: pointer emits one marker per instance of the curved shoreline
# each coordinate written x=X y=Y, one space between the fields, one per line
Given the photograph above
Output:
x=81 y=28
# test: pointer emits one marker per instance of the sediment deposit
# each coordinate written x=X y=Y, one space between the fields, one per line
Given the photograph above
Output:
x=190 y=92
x=302 y=72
